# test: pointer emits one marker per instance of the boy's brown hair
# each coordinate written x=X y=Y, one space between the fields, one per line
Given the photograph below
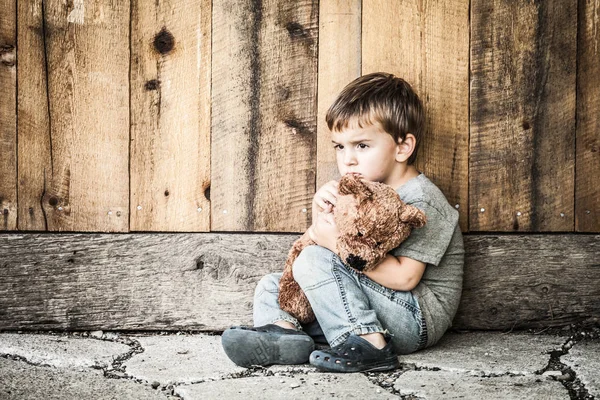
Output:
x=380 y=98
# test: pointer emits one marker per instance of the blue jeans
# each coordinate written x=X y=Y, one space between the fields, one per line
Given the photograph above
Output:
x=345 y=302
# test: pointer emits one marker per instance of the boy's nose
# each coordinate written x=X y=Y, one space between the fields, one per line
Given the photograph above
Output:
x=349 y=158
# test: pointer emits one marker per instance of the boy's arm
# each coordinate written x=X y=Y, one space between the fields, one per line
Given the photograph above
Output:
x=397 y=273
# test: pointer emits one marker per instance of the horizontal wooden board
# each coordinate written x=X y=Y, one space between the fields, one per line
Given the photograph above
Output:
x=206 y=281
x=530 y=281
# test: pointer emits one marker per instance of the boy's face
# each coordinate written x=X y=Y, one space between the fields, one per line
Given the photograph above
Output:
x=370 y=152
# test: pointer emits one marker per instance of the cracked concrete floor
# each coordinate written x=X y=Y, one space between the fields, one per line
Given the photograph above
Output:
x=471 y=365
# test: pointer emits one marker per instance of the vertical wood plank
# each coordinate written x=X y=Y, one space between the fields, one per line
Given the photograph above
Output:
x=79 y=180
x=522 y=150
x=8 y=115
x=35 y=167
x=587 y=189
x=170 y=115
x=264 y=81
x=339 y=64
x=427 y=44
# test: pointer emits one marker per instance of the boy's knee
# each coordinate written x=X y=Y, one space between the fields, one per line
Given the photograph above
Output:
x=268 y=283
x=309 y=262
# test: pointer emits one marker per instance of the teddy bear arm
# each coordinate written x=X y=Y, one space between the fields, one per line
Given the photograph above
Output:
x=291 y=297
x=413 y=216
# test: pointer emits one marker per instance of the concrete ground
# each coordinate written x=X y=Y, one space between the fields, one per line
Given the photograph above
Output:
x=473 y=365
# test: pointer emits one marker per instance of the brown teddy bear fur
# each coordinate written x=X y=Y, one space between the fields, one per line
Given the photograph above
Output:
x=372 y=220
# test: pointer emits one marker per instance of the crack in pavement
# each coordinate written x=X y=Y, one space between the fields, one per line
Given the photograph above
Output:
x=117 y=369
x=14 y=357
x=568 y=377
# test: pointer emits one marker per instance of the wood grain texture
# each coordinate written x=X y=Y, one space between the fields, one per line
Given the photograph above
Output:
x=34 y=160
x=339 y=64
x=206 y=281
x=8 y=115
x=427 y=44
x=170 y=116
x=134 y=281
x=522 y=147
x=84 y=174
x=530 y=281
x=587 y=189
x=264 y=84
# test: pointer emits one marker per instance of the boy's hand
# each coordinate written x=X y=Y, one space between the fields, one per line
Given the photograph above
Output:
x=325 y=199
x=324 y=232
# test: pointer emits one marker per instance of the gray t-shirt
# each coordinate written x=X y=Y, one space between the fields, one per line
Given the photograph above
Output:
x=439 y=245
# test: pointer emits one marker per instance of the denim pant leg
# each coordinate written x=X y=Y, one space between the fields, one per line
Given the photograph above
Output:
x=266 y=302
x=347 y=302
x=266 y=308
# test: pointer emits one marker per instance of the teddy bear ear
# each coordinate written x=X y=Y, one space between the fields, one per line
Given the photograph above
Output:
x=413 y=216
x=352 y=184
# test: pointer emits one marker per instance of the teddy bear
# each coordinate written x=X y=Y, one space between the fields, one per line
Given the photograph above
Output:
x=372 y=220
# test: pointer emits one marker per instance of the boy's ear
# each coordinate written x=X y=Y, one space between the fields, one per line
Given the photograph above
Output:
x=406 y=147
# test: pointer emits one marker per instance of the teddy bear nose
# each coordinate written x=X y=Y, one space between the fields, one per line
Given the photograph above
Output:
x=356 y=262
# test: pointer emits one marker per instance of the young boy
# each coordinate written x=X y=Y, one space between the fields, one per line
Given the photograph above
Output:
x=409 y=300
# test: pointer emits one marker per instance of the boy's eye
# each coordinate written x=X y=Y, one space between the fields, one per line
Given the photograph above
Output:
x=338 y=147
x=362 y=146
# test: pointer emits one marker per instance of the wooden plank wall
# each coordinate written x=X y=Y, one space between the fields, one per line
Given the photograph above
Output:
x=170 y=115
x=207 y=281
x=209 y=115
x=427 y=43
x=73 y=110
x=522 y=153
x=587 y=189
x=264 y=114
x=8 y=115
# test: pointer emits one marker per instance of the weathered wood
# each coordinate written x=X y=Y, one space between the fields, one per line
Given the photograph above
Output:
x=133 y=281
x=84 y=175
x=530 y=281
x=339 y=64
x=170 y=117
x=35 y=165
x=587 y=189
x=264 y=85
x=206 y=281
x=427 y=43
x=522 y=149
x=8 y=115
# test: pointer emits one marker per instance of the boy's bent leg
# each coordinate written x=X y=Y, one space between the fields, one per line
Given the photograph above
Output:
x=267 y=343
x=266 y=303
x=339 y=303
x=344 y=312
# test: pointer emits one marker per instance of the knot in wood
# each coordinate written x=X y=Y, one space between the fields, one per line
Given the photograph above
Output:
x=296 y=30
x=7 y=55
x=164 y=41
x=153 y=84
